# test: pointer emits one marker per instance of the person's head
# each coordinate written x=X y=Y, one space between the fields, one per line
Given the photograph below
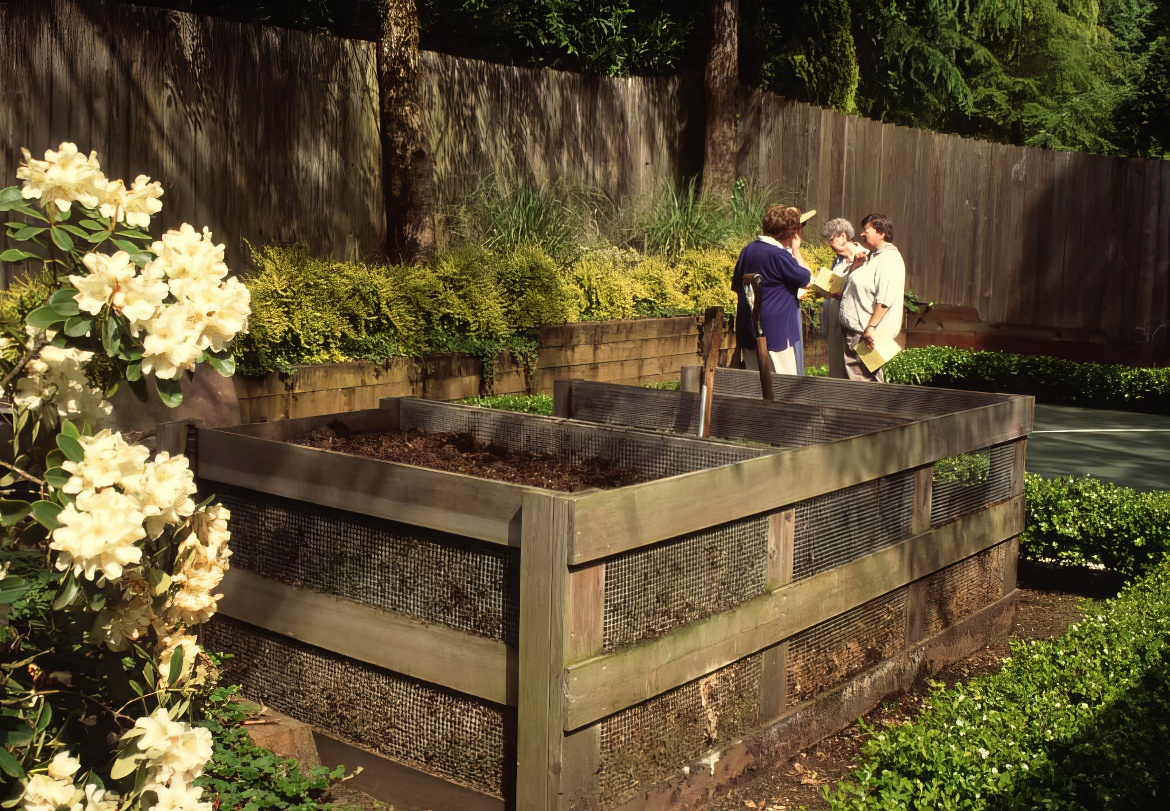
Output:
x=838 y=232
x=876 y=230
x=782 y=223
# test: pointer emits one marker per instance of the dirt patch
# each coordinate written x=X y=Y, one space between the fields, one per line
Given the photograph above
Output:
x=463 y=453
x=1050 y=600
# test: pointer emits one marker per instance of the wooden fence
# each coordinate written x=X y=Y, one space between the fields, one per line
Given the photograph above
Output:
x=271 y=135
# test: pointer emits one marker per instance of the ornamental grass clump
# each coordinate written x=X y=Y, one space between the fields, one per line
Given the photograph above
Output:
x=107 y=563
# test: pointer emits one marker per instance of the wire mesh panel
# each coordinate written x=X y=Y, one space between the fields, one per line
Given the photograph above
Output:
x=461 y=739
x=437 y=577
x=909 y=401
x=965 y=483
x=963 y=588
x=848 y=524
x=652 y=590
x=653 y=456
x=647 y=743
x=779 y=424
x=824 y=656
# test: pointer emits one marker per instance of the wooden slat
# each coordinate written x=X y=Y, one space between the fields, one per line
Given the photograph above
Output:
x=923 y=490
x=547 y=520
x=579 y=767
x=773 y=682
x=781 y=533
x=593 y=332
x=1019 y=460
x=1011 y=566
x=432 y=653
x=448 y=502
x=613 y=521
x=586 y=612
x=608 y=684
x=583 y=354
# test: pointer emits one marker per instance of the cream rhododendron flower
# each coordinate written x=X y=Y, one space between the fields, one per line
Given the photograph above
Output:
x=178 y=796
x=44 y=793
x=63 y=177
x=190 y=649
x=98 y=534
x=106 y=275
x=96 y=799
x=141 y=202
x=141 y=298
x=171 y=344
x=225 y=309
x=109 y=460
x=187 y=253
x=63 y=766
x=174 y=749
x=57 y=377
x=164 y=490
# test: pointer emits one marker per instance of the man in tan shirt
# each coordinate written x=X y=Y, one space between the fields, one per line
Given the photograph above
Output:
x=872 y=303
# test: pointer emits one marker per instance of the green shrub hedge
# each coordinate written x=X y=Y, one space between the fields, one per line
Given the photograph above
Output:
x=1085 y=520
x=1051 y=380
x=1078 y=722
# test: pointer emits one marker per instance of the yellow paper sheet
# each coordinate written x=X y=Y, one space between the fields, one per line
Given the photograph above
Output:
x=828 y=283
x=884 y=350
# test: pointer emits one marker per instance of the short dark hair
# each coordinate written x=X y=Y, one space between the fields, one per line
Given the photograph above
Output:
x=881 y=223
x=781 y=222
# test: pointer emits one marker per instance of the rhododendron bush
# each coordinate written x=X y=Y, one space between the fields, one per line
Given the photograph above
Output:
x=107 y=563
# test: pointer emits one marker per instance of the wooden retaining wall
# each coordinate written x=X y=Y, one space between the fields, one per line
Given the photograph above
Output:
x=589 y=710
x=638 y=351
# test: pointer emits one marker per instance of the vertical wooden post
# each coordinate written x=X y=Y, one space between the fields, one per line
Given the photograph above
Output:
x=546 y=526
x=712 y=337
x=774 y=665
x=585 y=634
x=1018 y=461
x=171 y=437
x=781 y=536
x=690 y=378
x=563 y=398
x=923 y=492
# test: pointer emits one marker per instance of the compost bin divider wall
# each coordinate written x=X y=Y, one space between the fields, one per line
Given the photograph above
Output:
x=562 y=680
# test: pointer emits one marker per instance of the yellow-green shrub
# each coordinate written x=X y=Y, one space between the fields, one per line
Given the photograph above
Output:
x=607 y=284
x=705 y=278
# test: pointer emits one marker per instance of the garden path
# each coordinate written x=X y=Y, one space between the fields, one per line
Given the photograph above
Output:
x=1117 y=446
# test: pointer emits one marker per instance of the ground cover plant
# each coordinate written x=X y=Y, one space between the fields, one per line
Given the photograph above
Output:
x=1051 y=380
x=107 y=563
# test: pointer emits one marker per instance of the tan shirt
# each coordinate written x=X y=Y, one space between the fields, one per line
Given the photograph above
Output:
x=881 y=280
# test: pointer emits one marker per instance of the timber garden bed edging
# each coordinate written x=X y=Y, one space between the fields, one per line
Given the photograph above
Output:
x=585 y=662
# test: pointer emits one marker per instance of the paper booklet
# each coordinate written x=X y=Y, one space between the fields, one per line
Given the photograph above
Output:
x=884 y=350
x=828 y=283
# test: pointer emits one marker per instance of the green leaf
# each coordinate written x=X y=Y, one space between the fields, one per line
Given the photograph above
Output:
x=13 y=511
x=125 y=765
x=169 y=391
x=45 y=513
x=28 y=211
x=93 y=225
x=18 y=734
x=43 y=318
x=61 y=239
x=99 y=237
x=134 y=371
x=69 y=429
x=132 y=233
x=79 y=325
x=10 y=194
x=16 y=255
x=77 y=232
x=67 y=593
x=27 y=232
x=70 y=447
x=10 y=765
x=57 y=477
x=222 y=362
x=65 y=296
x=12 y=588
x=127 y=246
x=176 y=668
x=112 y=336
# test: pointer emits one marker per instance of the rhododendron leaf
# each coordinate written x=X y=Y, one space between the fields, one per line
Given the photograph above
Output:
x=93 y=225
x=133 y=234
x=70 y=447
x=16 y=255
x=60 y=238
x=56 y=477
x=176 y=668
x=27 y=232
x=12 y=588
x=44 y=716
x=77 y=232
x=10 y=194
x=43 y=318
x=99 y=237
x=169 y=391
x=67 y=593
x=112 y=336
x=13 y=511
x=125 y=764
x=45 y=513
x=127 y=246
x=10 y=765
x=134 y=371
x=28 y=211
x=222 y=362
x=69 y=429
x=79 y=325
x=64 y=301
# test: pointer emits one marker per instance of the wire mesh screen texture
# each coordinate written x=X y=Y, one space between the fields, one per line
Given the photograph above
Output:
x=909 y=401
x=654 y=456
x=963 y=588
x=452 y=736
x=731 y=418
x=844 y=525
x=647 y=743
x=824 y=656
x=650 y=591
x=433 y=576
x=966 y=483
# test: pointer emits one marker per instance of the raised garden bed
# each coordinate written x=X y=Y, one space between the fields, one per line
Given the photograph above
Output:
x=440 y=629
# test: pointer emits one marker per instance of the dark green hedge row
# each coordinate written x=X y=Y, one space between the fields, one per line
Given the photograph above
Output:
x=1078 y=722
x=1085 y=520
x=1051 y=380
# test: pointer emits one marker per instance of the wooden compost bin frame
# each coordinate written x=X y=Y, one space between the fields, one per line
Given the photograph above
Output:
x=559 y=680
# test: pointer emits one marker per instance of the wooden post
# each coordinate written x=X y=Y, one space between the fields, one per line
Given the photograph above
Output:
x=563 y=398
x=544 y=588
x=923 y=493
x=712 y=337
x=1018 y=461
x=781 y=536
x=690 y=378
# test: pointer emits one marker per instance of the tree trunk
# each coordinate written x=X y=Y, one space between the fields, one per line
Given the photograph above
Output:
x=407 y=162
x=720 y=83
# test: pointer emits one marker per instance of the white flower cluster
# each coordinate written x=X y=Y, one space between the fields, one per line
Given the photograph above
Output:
x=67 y=176
x=55 y=790
x=202 y=561
x=175 y=754
x=120 y=498
x=180 y=301
x=56 y=377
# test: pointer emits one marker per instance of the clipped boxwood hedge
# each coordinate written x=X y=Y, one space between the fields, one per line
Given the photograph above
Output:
x=1051 y=380
x=1078 y=722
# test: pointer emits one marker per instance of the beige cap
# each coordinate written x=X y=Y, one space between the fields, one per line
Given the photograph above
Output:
x=808 y=215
